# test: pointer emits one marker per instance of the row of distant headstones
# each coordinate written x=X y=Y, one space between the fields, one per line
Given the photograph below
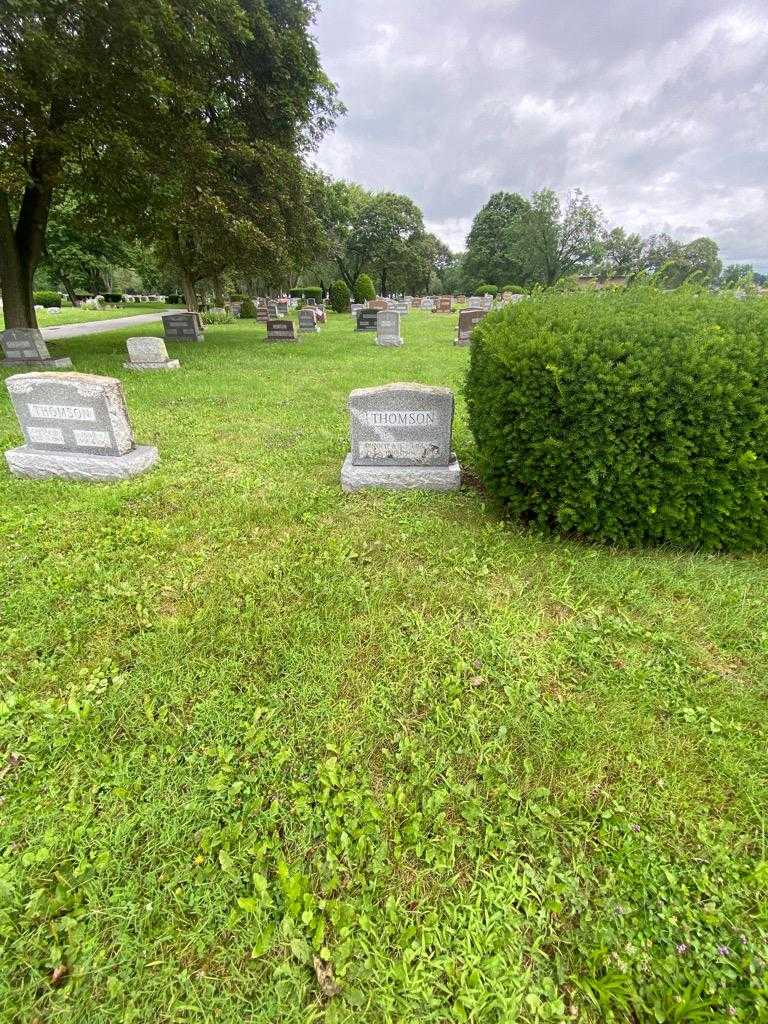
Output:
x=76 y=427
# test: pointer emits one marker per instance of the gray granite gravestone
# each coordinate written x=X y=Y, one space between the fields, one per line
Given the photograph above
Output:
x=76 y=427
x=149 y=354
x=428 y=303
x=367 y=319
x=355 y=307
x=388 y=329
x=468 y=319
x=280 y=330
x=183 y=326
x=262 y=314
x=475 y=302
x=235 y=308
x=282 y=307
x=308 y=321
x=24 y=346
x=401 y=439
x=402 y=308
x=272 y=310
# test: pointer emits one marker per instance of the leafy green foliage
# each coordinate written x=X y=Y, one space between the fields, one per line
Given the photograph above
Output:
x=212 y=318
x=338 y=296
x=364 y=289
x=46 y=298
x=629 y=417
x=487 y=289
x=514 y=289
x=308 y=292
x=248 y=309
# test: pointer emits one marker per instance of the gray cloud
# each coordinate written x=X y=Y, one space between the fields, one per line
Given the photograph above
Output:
x=659 y=110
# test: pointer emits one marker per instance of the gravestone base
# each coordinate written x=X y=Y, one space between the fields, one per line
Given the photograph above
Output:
x=64 y=363
x=462 y=342
x=170 y=364
x=401 y=478
x=389 y=342
x=32 y=464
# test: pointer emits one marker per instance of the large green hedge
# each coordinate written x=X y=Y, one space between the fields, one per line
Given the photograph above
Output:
x=364 y=289
x=629 y=417
x=338 y=296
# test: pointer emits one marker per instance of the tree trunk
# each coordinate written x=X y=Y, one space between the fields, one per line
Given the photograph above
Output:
x=218 y=290
x=383 y=282
x=189 y=291
x=16 y=274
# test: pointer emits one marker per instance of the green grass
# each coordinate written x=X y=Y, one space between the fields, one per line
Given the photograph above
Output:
x=249 y=721
x=81 y=315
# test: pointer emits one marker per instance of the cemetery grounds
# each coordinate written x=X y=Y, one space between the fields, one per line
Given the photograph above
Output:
x=274 y=753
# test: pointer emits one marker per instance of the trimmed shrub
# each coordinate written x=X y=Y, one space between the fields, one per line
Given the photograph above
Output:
x=364 y=289
x=307 y=293
x=46 y=299
x=487 y=289
x=339 y=296
x=514 y=289
x=628 y=417
x=113 y=297
x=247 y=310
x=237 y=297
x=175 y=300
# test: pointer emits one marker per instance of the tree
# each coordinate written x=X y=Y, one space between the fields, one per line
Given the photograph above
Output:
x=113 y=100
x=623 y=253
x=734 y=273
x=488 y=256
x=382 y=231
x=338 y=205
x=551 y=242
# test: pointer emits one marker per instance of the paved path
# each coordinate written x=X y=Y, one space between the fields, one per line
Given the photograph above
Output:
x=97 y=326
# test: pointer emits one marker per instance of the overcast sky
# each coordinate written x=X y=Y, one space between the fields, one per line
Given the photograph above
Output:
x=658 y=110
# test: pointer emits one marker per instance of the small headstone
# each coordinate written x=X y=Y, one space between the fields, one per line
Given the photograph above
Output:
x=282 y=307
x=444 y=304
x=149 y=354
x=262 y=314
x=24 y=346
x=367 y=320
x=468 y=319
x=377 y=304
x=428 y=304
x=487 y=302
x=475 y=302
x=310 y=302
x=320 y=314
x=272 y=310
x=280 y=330
x=416 y=302
x=235 y=308
x=461 y=299
x=401 y=439
x=355 y=307
x=183 y=326
x=388 y=329
x=402 y=308
x=308 y=321
x=54 y=309
x=76 y=427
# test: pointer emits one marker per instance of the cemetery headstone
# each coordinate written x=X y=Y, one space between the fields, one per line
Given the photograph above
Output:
x=403 y=308
x=377 y=304
x=388 y=329
x=416 y=302
x=282 y=308
x=308 y=321
x=401 y=439
x=24 y=346
x=183 y=326
x=76 y=427
x=235 y=308
x=272 y=310
x=262 y=314
x=320 y=313
x=367 y=320
x=149 y=354
x=428 y=303
x=281 y=330
x=468 y=319
x=444 y=304
x=354 y=307
x=475 y=302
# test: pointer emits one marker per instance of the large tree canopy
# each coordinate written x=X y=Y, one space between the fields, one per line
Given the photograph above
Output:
x=121 y=102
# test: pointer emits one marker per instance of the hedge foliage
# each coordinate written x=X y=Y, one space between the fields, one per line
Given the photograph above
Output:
x=46 y=299
x=307 y=293
x=338 y=296
x=487 y=289
x=629 y=417
x=364 y=289
x=248 y=309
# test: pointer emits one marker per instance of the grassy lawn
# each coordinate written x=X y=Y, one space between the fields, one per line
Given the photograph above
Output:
x=263 y=741
x=80 y=315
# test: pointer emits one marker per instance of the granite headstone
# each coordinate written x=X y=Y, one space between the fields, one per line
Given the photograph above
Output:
x=281 y=330
x=308 y=321
x=401 y=439
x=468 y=319
x=76 y=427
x=367 y=320
x=183 y=326
x=24 y=346
x=388 y=329
x=149 y=354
